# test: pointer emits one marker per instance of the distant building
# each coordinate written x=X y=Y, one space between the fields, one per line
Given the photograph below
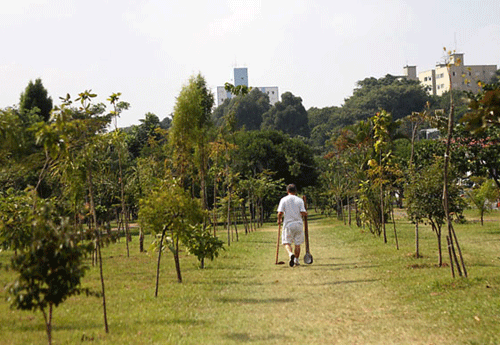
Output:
x=241 y=78
x=463 y=77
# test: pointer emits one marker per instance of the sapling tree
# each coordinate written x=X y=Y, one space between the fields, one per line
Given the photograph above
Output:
x=51 y=265
x=453 y=245
x=424 y=200
x=71 y=141
x=482 y=195
x=170 y=210
x=202 y=243
x=119 y=142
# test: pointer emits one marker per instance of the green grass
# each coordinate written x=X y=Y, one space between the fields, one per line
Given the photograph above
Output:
x=358 y=291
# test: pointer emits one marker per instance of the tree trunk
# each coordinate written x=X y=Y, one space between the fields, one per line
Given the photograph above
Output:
x=440 y=251
x=349 y=210
x=159 y=258
x=98 y=245
x=451 y=230
x=141 y=240
x=176 y=258
x=395 y=232
x=452 y=265
x=48 y=323
x=382 y=207
x=417 y=244
x=229 y=216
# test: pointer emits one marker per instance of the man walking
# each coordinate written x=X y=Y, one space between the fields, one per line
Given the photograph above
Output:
x=291 y=209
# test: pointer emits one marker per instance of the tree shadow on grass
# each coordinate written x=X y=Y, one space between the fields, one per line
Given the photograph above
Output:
x=247 y=338
x=256 y=300
x=343 y=266
x=342 y=282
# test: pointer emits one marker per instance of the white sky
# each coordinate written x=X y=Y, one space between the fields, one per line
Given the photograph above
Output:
x=147 y=50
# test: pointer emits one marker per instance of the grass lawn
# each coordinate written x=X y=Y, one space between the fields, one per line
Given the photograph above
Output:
x=358 y=291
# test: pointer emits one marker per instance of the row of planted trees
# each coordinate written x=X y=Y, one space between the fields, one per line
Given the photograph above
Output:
x=374 y=166
x=85 y=180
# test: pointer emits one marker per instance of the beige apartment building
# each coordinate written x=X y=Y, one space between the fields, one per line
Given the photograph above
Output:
x=463 y=77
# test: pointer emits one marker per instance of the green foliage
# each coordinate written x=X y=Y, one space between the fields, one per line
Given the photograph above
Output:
x=322 y=121
x=35 y=98
x=16 y=216
x=399 y=96
x=51 y=264
x=424 y=195
x=188 y=136
x=48 y=258
x=247 y=110
x=291 y=159
x=168 y=206
x=202 y=243
x=484 y=109
x=369 y=205
x=288 y=116
x=477 y=153
x=482 y=195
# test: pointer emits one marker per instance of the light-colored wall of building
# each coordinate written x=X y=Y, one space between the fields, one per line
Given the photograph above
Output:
x=463 y=77
x=222 y=95
x=241 y=78
x=410 y=72
x=272 y=92
x=427 y=80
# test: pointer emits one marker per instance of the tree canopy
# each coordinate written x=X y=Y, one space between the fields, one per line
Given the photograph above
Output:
x=35 y=96
x=288 y=116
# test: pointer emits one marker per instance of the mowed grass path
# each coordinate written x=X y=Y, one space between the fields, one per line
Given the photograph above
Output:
x=358 y=291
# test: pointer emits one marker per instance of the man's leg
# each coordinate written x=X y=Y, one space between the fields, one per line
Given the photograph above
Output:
x=291 y=255
x=297 y=254
x=297 y=250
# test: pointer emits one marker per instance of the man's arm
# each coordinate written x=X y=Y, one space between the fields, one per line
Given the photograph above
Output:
x=280 y=217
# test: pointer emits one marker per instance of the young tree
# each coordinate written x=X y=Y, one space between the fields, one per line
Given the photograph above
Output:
x=119 y=143
x=425 y=200
x=482 y=195
x=51 y=264
x=451 y=238
x=169 y=209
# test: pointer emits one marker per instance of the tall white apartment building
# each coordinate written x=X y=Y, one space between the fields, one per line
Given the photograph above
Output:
x=463 y=77
x=241 y=78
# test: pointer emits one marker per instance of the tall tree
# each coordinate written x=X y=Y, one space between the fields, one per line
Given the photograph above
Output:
x=400 y=97
x=35 y=96
x=288 y=116
x=248 y=109
x=189 y=132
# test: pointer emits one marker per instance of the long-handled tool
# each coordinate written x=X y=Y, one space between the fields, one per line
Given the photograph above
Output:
x=308 y=259
x=278 y=246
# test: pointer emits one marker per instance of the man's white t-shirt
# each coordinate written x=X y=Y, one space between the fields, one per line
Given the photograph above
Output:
x=291 y=206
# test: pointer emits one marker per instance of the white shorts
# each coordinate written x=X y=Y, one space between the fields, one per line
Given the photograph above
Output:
x=293 y=233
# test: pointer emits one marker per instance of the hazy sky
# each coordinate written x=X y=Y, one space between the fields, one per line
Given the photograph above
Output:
x=147 y=50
